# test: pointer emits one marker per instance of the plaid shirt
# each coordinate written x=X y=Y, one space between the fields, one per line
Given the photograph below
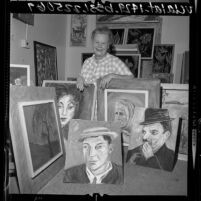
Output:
x=93 y=69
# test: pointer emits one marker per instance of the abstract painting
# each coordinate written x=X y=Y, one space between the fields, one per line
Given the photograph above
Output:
x=175 y=99
x=20 y=74
x=45 y=57
x=94 y=153
x=144 y=38
x=118 y=35
x=163 y=58
x=78 y=30
x=41 y=134
x=153 y=139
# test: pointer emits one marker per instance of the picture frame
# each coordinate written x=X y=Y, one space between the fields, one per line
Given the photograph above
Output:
x=86 y=55
x=87 y=97
x=175 y=98
x=144 y=37
x=78 y=30
x=45 y=58
x=40 y=153
x=163 y=58
x=118 y=35
x=20 y=75
x=29 y=182
x=131 y=59
x=137 y=97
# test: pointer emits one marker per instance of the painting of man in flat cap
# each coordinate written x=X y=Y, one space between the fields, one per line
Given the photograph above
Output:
x=96 y=143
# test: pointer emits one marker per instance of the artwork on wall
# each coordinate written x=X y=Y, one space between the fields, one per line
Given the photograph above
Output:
x=175 y=99
x=20 y=74
x=41 y=134
x=120 y=108
x=144 y=38
x=104 y=140
x=150 y=85
x=45 y=58
x=78 y=30
x=85 y=56
x=118 y=35
x=154 y=143
x=26 y=18
x=164 y=77
x=83 y=103
x=35 y=135
x=131 y=59
x=163 y=58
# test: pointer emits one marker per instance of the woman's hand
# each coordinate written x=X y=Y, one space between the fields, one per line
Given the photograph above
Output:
x=80 y=83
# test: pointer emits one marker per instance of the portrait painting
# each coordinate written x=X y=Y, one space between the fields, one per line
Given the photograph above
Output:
x=41 y=134
x=144 y=38
x=120 y=108
x=94 y=153
x=45 y=58
x=85 y=56
x=153 y=141
x=163 y=58
x=36 y=138
x=148 y=87
x=132 y=61
x=20 y=74
x=78 y=30
x=175 y=98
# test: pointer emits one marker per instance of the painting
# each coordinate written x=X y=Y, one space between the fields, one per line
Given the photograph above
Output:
x=118 y=35
x=78 y=30
x=79 y=105
x=20 y=74
x=163 y=58
x=164 y=77
x=175 y=98
x=86 y=55
x=153 y=140
x=41 y=134
x=144 y=38
x=120 y=108
x=45 y=58
x=132 y=61
x=152 y=86
x=36 y=138
x=26 y=18
x=94 y=153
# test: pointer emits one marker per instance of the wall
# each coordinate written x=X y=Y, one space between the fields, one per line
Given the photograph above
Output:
x=48 y=29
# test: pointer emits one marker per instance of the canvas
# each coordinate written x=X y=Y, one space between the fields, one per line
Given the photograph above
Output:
x=153 y=139
x=150 y=85
x=88 y=148
x=175 y=98
x=118 y=35
x=34 y=171
x=20 y=74
x=45 y=58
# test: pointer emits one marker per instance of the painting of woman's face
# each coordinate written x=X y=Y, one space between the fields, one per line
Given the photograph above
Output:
x=66 y=106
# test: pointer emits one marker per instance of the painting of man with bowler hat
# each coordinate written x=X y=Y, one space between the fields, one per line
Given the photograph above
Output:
x=153 y=152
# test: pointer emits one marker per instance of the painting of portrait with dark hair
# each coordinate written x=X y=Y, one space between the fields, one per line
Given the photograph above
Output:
x=93 y=153
x=154 y=142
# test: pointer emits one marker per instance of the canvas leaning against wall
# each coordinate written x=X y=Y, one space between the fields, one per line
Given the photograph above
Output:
x=94 y=149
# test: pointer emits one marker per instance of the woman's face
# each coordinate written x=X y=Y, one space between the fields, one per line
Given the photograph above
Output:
x=66 y=106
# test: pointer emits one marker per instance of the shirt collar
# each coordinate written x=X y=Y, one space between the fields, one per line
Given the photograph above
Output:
x=103 y=59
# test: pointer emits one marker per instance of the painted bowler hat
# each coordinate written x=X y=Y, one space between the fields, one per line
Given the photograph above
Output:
x=155 y=115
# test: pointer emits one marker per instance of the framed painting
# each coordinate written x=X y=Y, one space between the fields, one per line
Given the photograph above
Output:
x=104 y=139
x=163 y=58
x=20 y=74
x=118 y=35
x=153 y=141
x=132 y=61
x=86 y=55
x=175 y=98
x=78 y=30
x=26 y=18
x=152 y=86
x=45 y=57
x=83 y=102
x=41 y=134
x=36 y=137
x=144 y=38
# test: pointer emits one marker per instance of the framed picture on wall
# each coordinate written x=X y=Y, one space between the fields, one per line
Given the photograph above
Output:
x=118 y=35
x=132 y=61
x=163 y=58
x=144 y=38
x=78 y=30
x=45 y=57
x=20 y=74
